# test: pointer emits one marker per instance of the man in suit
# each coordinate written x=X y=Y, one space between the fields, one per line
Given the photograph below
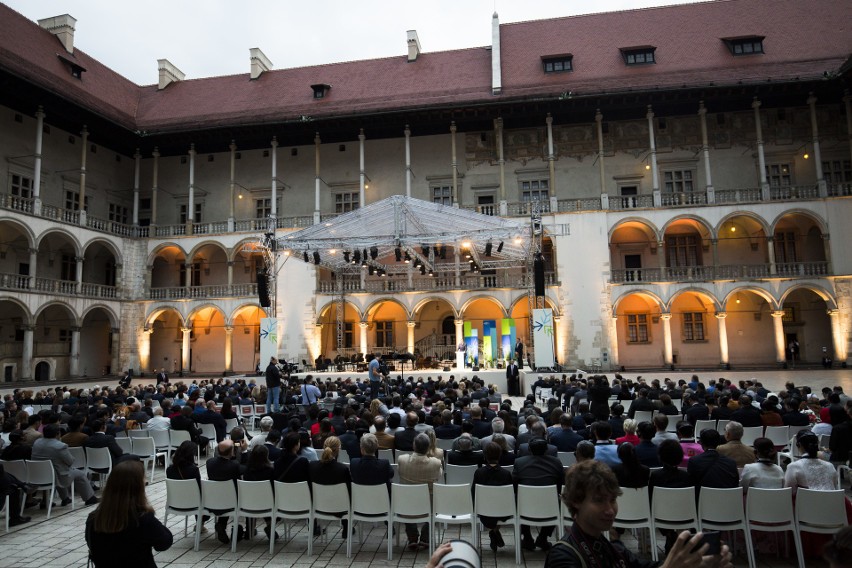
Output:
x=447 y=430
x=210 y=416
x=537 y=432
x=100 y=439
x=417 y=468
x=513 y=379
x=711 y=469
x=464 y=454
x=385 y=440
x=481 y=428
x=641 y=403
x=565 y=439
x=538 y=469
x=272 y=440
x=646 y=451
x=368 y=469
x=50 y=448
x=404 y=439
x=162 y=377
x=734 y=448
x=499 y=427
x=225 y=467
x=14 y=489
x=519 y=352
x=184 y=421
x=349 y=440
x=747 y=415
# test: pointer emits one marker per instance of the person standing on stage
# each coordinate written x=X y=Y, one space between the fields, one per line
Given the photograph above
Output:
x=374 y=373
x=273 y=386
x=513 y=379
x=519 y=352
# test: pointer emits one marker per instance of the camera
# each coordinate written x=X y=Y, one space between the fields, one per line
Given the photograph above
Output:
x=463 y=555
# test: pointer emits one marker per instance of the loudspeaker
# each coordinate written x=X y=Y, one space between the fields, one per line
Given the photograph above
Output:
x=446 y=369
x=263 y=289
x=475 y=369
x=538 y=274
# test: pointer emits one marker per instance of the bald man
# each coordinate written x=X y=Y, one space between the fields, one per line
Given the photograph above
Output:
x=224 y=467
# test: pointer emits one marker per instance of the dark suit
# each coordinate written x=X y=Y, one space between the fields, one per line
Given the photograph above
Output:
x=274 y=453
x=369 y=470
x=524 y=450
x=565 y=440
x=646 y=451
x=712 y=469
x=513 y=380
x=747 y=416
x=349 y=442
x=214 y=418
x=481 y=429
x=223 y=469
x=697 y=412
x=101 y=440
x=492 y=476
x=187 y=424
x=464 y=458
x=448 y=432
x=291 y=468
x=840 y=442
x=643 y=404
x=404 y=439
x=672 y=477
x=538 y=471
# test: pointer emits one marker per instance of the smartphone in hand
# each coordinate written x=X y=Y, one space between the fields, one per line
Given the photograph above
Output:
x=714 y=539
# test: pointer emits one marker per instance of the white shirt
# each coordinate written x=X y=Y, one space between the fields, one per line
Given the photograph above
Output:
x=158 y=423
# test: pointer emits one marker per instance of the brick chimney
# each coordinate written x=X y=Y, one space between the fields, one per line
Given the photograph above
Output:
x=259 y=62
x=63 y=28
x=413 y=45
x=168 y=74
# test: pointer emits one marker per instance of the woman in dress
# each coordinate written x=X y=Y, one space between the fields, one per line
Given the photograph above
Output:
x=810 y=472
x=765 y=473
x=123 y=529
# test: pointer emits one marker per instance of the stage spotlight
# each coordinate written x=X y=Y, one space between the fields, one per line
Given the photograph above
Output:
x=407 y=257
x=397 y=252
x=500 y=247
x=488 y=248
x=383 y=272
x=374 y=252
x=346 y=256
x=422 y=269
x=431 y=272
x=305 y=256
x=467 y=253
x=316 y=257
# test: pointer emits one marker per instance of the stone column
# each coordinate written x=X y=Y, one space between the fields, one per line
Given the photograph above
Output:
x=33 y=266
x=661 y=257
x=668 y=359
x=407 y=161
x=230 y=273
x=847 y=102
x=81 y=206
x=184 y=351
x=37 y=167
x=229 y=349
x=770 y=252
x=761 y=156
x=601 y=169
x=705 y=150
x=149 y=274
x=274 y=154
x=457 y=265
x=459 y=323
x=837 y=337
x=655 y=175
x=187 y=267
x=778 y=328
x=317 y=180
x=154 y=183
x=826 y=240
x=190 y=208
x=144 y=351
x=410 y=324
x=27 y=353
x=820 y=178
x=362 y=175
x=232 y=186
x=78 y=284
x=501 y=162
x=363 y=326
x=454 y=165
x=714 y=243
x=137 y=165
x=74 y=360
x=613 y=342
x=551 y=159
x=723 y=337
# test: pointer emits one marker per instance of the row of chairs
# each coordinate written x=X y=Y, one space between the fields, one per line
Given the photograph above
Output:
x=38 y=474
x=448 y=504
x=766 y=510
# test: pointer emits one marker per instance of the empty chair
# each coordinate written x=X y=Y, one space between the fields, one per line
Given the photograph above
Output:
x=161 y=440
x=385 y=455
x=771 y=510
x=445 y=445
x=99 y=460
x=137 y=434
x=643 y=416
x=720 y=426
x=40 y=475
x=451 y=505
x=567 y=458
x=292 y=502
x=370 y=503
x=209 y=432
x=704 y=425
x=722 y=510
x=498 y=502
x=79 y=455
x=456 y=474
x=219 y=498
x=176 y=438
x=230 y=424
x=634 y=512
x=183 y=498
x=343 y=457
x=539 y=506
x=411 y=504
x=247 y=415
x=673 y=509
x=750 y=434
x=18 y=468
x=820 y=511
x=780 y=435
x=125 y=443
x=331 y=502
x=147 y=452
x=254 y=500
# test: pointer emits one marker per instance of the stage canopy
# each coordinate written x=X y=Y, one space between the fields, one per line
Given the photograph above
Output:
x=398 y=233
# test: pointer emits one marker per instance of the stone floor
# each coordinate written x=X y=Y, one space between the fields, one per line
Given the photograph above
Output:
x=59 y=542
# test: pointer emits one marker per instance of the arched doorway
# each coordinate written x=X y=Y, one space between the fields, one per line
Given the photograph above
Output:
x=207 y=340
x=639 y=330
x=806 y=323
x=694 y=329
x=246 y=338
x=42 y=371
x=749 y=328
x=166 y=340
x=96 y=344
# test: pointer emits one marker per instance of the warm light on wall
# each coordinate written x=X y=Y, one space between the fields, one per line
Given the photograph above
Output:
x=806 y=156
x=647 y=166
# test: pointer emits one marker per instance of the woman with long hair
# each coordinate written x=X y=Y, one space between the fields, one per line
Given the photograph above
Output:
x=328 y=471
x=630 y=473
x=434 y=450
x=123 y=529
x=227 y=411
x=183 y=463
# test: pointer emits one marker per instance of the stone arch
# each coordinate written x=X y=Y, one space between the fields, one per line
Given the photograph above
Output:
x=651 y=227
x=644 y=293
x=700 y=221
x=155 y=252
x=209 y=242
x=372 y=306
x=23 y=228
x=107 y=244
x=827 y=297
x=238 y=248
x=113 y=318
x=331 y=304
x=415 y=311
x=57 y=230
x=548 y=302
x=30 y=317
x=694 y=290
x=819 y=221
x=75 y=319
x=231 y=319
x=195 y=311
x=765 y=294
x=741 y=213
x=158 y=311
x=491 y=299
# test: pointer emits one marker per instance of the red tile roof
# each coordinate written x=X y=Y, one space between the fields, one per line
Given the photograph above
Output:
x=803 y=40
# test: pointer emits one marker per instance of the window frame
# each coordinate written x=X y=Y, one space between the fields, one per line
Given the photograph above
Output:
x=693 y=328
x=342 y=205
x=441 y=193
x=18 y=189
x=635 y=319
x=671 y=180
x=550 y=62
x=528 y=187
x=384 y=334
x=744 y=46
x=631 y=55
x=197 y=218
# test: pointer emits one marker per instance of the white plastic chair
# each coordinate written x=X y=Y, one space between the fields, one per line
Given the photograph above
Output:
x=780 y=436
x=771 y=510
x=460 y=474
x=723 y=510
x=538 y=506
x=451 y=505
x=386 y=455
x=125 y=443
x=176 y=438
x=99 y=460
x=820 y=511
x=161 y=441
x=137 y=433
x=634 y=512
x=370 y=503
x=183 y=498
x=720 y=427
x=343 y=457
x=230 y=424
x=330 y=502
x=293 y=502
x=643 y=416
x=255 y=500
x=6 y=507
x=704 y=425
x=673 y=509
x=750 y=434
x=146 y=451
x=219 y=498
x=567 y=458
x=18 y=468
x=79 y=455
x=411 y=504
x=498 y=502
x=41 y=476
x=395 y=478
x=445 y=445
x=209 y=432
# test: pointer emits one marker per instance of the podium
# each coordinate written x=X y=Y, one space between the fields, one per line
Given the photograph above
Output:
x=460 y=360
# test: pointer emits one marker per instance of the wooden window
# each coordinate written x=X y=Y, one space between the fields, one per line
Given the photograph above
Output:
x=785 y=246
x=263 y=208
x=779 y=175
x=21 y=186
x=682 y=250
x=346 y=201
x=535 y=190
x=558 y=64
x=118 y=213
x=639 y=55
x=678 y=181
x=197 y=217
x=837 y=171
x=384 y=334
x=72 y=201
x=68 y=268
x=693 y=326
x=442 y=194
x=637 y=328
x=745 y=45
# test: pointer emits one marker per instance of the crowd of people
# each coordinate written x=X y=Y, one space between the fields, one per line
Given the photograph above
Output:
x=308 y=424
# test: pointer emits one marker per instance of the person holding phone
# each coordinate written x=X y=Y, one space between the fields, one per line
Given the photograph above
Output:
x=590 y=492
